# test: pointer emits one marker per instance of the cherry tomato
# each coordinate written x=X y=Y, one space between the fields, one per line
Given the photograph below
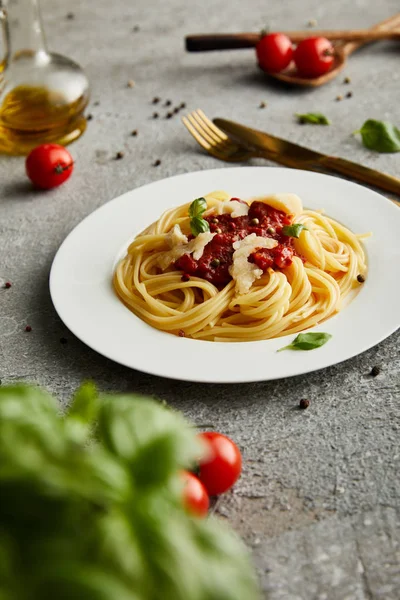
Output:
x=314 y=56
x=274 y=52
x=223 y=465
x=49 y=165
x=195 y=497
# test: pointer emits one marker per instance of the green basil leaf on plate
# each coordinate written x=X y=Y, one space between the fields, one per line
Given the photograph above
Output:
x=199 y=225
x=293 y=230
x=308 y=341
x=197 y=208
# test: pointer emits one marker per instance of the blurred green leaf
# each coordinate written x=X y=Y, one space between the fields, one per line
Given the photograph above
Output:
x=153 y=439
x=101 y=517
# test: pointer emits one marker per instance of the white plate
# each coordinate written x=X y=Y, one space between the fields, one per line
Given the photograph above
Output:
x=82 y=293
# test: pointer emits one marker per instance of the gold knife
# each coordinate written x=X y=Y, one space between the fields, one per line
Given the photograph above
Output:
x=304 y=158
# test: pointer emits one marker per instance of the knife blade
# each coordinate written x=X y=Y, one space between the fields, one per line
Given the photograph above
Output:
x=272 y=147
x=258 y=140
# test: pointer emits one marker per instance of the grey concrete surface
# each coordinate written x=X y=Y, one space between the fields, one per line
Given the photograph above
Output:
x=318 y=502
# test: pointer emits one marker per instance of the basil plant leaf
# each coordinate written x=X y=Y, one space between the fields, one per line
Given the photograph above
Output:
x=199 y=225
x=308 y=341
x=313 y=118
x=101 y=517
x=145 y=433
x=380 y=136
x=197 y=208
x=293 y=230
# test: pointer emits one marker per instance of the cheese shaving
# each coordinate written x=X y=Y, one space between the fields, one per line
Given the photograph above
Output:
x=175 y=237
x=287 y=203
x=195 y=246
x=242 y=271
x=234 y=208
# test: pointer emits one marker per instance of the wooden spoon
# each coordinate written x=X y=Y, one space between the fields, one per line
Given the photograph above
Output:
x=384 y=30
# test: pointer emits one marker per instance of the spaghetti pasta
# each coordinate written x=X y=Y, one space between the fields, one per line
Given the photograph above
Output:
x=244 y=278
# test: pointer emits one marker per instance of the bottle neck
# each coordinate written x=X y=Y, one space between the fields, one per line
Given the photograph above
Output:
x=24 y=27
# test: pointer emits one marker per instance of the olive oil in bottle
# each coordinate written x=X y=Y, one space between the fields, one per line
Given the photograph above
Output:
x=42 y=95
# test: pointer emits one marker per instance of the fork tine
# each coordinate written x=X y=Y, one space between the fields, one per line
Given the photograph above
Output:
x=211 y=149
x=206 y=125
x=192 y=117
x=211 y=138
x=199 y=139
x=216 y=130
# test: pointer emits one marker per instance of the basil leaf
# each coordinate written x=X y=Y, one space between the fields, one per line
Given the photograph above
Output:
x=199 y=225
x=313 y=118
x=293 y=230
x=380 y=136
x=308 y=341
x=103 y=519
x=143 y=433
x=197 y=207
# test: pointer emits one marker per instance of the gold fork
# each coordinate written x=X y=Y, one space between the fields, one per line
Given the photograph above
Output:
x=221 y=146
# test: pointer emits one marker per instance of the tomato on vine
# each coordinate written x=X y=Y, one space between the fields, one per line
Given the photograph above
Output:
x=49 y=165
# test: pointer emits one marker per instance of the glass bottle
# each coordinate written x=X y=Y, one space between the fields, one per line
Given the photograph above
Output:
x=42 y=95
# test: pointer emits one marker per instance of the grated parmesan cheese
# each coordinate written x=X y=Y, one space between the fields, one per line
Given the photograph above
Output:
x=287 y=203
x=242 y=271
x=195 y=246
x=234 y=208
x=175 y=237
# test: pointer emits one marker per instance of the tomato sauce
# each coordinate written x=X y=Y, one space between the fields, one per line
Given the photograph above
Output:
x=264 y=221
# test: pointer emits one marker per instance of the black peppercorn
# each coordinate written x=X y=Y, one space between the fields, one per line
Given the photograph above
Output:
x=119 y=155
x=360 y=278
x=304 y=403
x=157 y=163
x=375 y=371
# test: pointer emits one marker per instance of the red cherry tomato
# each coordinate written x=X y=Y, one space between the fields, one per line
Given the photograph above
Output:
x=222 y=467
x=274 y=52
x=195 y=497
x=49 y=165
x=314 y=56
